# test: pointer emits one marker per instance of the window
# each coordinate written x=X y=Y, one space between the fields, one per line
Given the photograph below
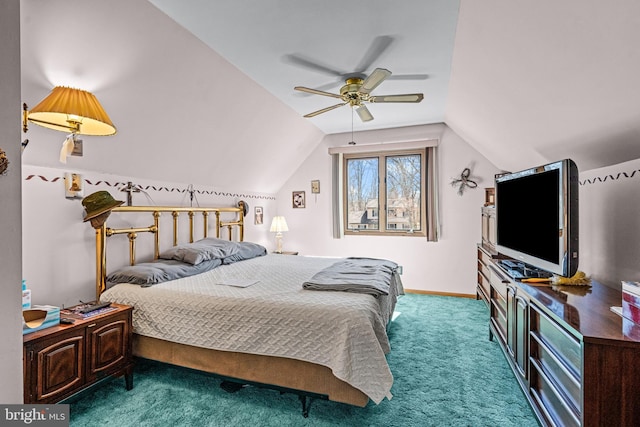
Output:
x=384 y=192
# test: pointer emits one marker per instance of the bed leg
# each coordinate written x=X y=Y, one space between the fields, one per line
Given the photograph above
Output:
x=306 y=404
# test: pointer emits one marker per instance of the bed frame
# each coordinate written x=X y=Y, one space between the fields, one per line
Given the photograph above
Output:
x=304 y=378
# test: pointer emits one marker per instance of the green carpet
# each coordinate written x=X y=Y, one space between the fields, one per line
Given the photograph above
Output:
x=446 y=371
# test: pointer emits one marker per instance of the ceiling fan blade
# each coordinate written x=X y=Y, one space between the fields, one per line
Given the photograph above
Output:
x=409 y=77
x=364 y=113
x=314 y=65
x=323 y=88
x=409 y=97
x=374 y=79
x=378 y=46
x=324 y=110
x=317 y=92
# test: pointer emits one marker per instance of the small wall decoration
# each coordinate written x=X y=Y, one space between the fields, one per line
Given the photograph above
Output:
x=464 y=181
x=258 y=215
x=315 y=186
x=489 y=196
x=4 y=162
x=298 y=199
x=73 y=186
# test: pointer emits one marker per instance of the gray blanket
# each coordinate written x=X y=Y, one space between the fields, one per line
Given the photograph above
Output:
x=361 y=275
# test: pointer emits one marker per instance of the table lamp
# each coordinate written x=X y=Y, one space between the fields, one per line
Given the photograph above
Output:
x=278 y=225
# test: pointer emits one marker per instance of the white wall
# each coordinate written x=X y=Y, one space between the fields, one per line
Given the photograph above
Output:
x=448 y=265
x=10 y=209
x=610 y=224
x=59 y=248
x=176 y=103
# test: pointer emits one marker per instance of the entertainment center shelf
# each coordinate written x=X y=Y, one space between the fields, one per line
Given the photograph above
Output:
x=576 y=361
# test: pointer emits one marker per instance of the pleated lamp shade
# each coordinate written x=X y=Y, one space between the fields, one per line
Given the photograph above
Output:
x=72 y=110
x=278 y=225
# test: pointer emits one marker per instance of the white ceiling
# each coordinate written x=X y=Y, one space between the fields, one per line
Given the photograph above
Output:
x=522 y=82
x=268 y=40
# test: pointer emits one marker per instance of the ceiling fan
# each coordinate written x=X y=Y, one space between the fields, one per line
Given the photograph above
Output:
x=357 y=91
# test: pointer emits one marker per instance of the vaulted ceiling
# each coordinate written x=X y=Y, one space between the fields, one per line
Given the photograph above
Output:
x=203 y=82
x=523 y=82
x=281 y=44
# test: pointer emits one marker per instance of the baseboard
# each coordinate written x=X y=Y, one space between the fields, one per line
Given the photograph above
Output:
x=444 y=294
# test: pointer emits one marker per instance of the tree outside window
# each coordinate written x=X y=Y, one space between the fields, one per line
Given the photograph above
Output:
x=384 y=193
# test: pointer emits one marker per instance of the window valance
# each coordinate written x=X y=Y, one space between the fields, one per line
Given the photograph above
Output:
x=384 y=146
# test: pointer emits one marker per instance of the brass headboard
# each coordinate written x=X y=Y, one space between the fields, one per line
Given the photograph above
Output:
x=103 y=231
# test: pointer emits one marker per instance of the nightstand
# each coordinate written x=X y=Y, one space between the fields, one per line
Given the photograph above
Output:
x=286 y=253
x=64 y=359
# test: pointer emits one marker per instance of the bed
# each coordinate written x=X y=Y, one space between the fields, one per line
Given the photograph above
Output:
x=251 y=320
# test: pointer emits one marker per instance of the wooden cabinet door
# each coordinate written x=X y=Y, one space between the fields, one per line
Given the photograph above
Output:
x=56 y=367
x=107 y=346
x=521 y=347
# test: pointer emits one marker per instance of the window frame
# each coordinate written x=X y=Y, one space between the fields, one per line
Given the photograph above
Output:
x=382 y=193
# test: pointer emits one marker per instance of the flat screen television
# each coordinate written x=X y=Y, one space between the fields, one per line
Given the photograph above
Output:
x=537 y=217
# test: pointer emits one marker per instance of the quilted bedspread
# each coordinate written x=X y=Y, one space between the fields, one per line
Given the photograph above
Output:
x=274 y=316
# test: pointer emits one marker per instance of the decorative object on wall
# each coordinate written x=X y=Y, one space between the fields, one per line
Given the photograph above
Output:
x=192 y=195
x=69 y=110
x=315 y=186
x=278 y=226
x=298 y=199
x=258 y=215
x=489 y=196
x=464 y=181
x=4 y=162
x=159 y=188
x=611 y=177
x=130 y=188
x=73 y=186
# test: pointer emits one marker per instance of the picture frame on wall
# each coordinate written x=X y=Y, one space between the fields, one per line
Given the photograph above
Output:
x=298 y=199
x=73 y=186
x=258 y=215
x=315 y=186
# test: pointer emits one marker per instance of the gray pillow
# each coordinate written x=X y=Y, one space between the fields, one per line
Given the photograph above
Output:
x=246 y=250
x=202 y=250
x=151 y=273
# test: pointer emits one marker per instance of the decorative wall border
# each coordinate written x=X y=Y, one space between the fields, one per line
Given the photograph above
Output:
x=610 y=177
x=589 y=181
x=160 y=188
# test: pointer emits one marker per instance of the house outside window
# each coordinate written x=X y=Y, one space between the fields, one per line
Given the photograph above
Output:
x=384 y=193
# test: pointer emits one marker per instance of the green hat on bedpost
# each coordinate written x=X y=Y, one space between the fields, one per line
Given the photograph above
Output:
x=98 y=203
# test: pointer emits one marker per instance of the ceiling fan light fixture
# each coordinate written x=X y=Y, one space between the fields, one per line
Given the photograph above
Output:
x=356 y=92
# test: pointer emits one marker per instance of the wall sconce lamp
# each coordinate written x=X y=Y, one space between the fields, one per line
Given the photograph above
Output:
x=278 y=225
x=69 y=110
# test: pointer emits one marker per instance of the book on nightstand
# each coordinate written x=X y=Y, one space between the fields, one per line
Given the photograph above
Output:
x=76 y=312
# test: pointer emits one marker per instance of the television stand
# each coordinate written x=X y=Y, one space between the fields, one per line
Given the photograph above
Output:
x=520 y=270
